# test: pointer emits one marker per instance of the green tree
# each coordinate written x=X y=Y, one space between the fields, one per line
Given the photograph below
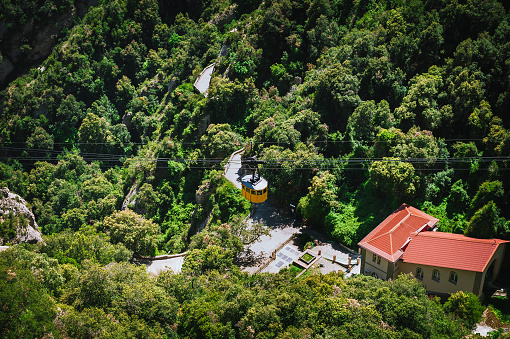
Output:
x=343 y=224
x=367 y=118
x=337 y=94
x=480 y=119
x=95 y=321
x=219 y=141
x=296 y=168
x=73 y=218
x=45 y=269
x=136 y=233
x=96 y=188
x=320 y=200
x=229 y=101
x=466 y=307
x=84 y=244
x=281 y=132
x=458 y=200
x=420 y=105
x=93 y=133
x=483 y=223
x=394 y=176
x=488 y=191
x=230 y=202
x=415 y=143
x=40 y=139
x=123 y=289
x=212 y=257
x=28 y=310
x=68 y=118
x=148 y=200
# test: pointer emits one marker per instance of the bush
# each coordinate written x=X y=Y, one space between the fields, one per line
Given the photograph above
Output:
x=465 y=306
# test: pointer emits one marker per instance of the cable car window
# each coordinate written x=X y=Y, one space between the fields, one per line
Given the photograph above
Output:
x=259 y=192
x=265 y=190
x=253 y=192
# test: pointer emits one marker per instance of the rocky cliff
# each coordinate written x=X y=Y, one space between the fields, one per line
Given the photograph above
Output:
x=11 y=205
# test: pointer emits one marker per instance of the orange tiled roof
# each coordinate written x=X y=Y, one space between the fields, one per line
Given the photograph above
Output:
x=450 y=250
x=389 y=239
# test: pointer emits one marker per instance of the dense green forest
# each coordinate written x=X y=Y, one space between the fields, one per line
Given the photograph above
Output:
x=355 y=105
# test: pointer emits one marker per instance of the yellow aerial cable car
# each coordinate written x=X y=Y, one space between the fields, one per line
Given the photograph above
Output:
x=254 y=187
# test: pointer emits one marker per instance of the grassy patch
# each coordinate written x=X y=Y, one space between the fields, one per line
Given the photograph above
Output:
x=307 y=257
x=501 y=308
x=295 y=269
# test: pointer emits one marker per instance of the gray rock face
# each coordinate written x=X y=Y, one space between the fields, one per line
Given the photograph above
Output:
x=131 y=197
x=11 y=202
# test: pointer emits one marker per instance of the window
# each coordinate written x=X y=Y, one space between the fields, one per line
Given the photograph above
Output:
x=374 y=257
x=453 y=277
x=436 y=275
x=374 y=275
x=253 y=192
x=419 y=273
x=265 y=190
x=259 y=192
x=378 y=260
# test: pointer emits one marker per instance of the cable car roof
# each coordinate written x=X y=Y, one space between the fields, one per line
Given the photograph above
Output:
x=258 y=185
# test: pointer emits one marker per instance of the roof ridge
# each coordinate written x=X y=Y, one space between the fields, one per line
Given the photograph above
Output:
x=418 y=216
x=400 y=222
x=377 y=237
x=459 y=237
x=391 y=244
x=422 y=214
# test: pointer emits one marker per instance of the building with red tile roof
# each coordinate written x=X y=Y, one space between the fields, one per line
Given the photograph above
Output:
x=445 y=263
x=386 y=243
x=450 y=250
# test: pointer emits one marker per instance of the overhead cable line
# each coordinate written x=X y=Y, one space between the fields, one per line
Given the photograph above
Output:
x=327 y=141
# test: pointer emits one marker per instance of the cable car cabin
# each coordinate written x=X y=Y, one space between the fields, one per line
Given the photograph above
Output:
x=254 y=190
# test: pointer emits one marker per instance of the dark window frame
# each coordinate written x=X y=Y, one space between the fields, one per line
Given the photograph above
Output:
x=454 y=277
x=436 y=277
x=419 y=273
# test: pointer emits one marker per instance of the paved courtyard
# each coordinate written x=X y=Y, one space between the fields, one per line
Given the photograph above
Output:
x=284 y=258
x=282 y=227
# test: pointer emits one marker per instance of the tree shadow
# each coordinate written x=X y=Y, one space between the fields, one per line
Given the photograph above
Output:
x=248 y=258
x=271 y=216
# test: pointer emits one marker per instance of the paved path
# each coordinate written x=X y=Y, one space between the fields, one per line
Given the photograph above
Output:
x=156 y=266
x=233 y=168
x=204 y=79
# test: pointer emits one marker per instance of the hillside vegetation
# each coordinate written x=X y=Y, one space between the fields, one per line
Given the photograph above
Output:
x=356 y=107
